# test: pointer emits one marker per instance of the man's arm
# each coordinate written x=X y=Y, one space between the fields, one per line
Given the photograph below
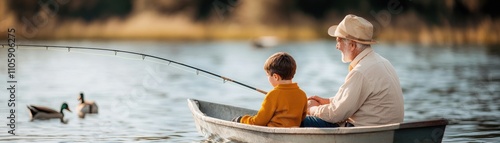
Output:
x=346 y=102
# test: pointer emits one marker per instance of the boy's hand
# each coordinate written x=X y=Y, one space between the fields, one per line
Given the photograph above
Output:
x=236 y=119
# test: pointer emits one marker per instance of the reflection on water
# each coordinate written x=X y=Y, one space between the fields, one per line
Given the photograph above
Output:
x=146 y=101
x=493 y=50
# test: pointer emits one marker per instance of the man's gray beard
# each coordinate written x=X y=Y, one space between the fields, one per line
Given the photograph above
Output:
x=345 y=59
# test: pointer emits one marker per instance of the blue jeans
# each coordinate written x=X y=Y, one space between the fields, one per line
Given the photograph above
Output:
x=311 y=121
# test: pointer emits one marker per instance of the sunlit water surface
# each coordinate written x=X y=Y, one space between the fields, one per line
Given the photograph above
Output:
x=143 y=100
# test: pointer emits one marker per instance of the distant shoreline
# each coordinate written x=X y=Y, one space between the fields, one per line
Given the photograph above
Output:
x=434 y=36
x=422 y=22
x=151 y=26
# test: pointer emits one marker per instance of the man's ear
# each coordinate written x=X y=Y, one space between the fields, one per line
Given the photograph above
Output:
x=352 y=44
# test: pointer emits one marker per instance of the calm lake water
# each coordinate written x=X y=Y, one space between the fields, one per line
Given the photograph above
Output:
x=140 y=100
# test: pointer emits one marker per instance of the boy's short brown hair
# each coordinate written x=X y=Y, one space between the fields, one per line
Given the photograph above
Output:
x=281 y=63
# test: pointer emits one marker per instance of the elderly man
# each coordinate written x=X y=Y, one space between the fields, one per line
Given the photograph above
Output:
x=371 y=93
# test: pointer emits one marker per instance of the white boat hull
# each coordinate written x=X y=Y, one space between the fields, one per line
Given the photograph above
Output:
x=213 y=121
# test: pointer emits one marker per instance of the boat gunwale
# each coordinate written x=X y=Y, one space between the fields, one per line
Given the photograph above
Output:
x=193 y=105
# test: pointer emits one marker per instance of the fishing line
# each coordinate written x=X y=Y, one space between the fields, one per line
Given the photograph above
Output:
x=143 y=57
x=183 y=69
x=147 y=59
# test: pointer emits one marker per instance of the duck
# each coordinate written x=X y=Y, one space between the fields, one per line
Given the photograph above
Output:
x=86 y=107
x=265 y=42
x=44 y=113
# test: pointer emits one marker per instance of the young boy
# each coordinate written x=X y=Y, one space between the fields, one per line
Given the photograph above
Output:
x=286 y=104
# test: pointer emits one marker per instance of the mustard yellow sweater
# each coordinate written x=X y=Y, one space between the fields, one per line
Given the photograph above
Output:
x=284 y=106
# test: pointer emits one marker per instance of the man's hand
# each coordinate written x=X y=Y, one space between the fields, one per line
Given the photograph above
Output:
x=311 y=106
x=320 y=100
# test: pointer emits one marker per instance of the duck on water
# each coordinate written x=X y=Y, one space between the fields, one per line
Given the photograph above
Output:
x=44 y=113
x=86 y=106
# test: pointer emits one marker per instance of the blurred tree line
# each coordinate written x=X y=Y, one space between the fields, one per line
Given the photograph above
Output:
x=456 y=12
x=424 y=21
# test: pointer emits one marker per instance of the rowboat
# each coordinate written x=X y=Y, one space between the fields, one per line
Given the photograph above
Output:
x=214 y=121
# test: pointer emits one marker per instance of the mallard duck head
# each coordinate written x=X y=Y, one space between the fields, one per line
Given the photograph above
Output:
x=65 y=106
x=80 y=98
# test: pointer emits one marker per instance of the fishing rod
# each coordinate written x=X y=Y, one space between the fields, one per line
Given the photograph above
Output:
x=144 y=56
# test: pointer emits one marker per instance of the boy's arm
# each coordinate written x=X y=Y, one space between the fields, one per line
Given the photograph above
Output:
x=265 y=113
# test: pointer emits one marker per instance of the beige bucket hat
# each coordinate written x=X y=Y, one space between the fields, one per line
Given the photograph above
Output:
x=354 y=28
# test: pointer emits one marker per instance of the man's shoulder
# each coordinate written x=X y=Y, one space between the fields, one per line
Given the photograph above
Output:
x=374 y=66
x=373 y=60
